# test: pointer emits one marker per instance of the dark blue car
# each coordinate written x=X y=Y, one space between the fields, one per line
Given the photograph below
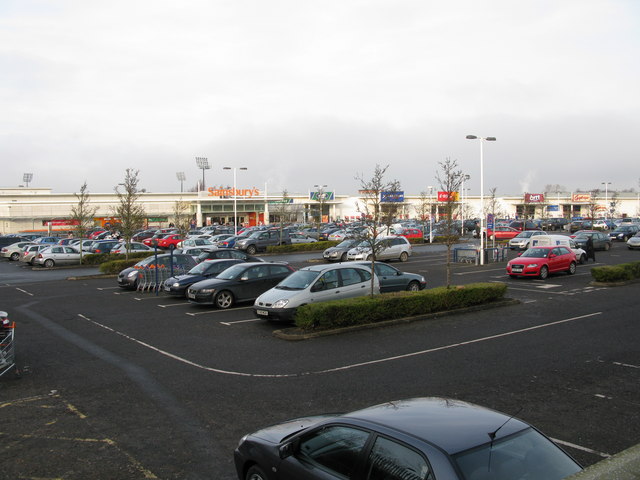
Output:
x=207 y=269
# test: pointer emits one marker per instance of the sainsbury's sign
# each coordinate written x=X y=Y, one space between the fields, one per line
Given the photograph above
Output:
x=231 y=192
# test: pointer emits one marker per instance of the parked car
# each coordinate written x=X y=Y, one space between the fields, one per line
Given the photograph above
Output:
x=339 y=252
x=553 y=224
x=541 y=261
x=393 y=248
x=523 y=239
x=410 y=233
x=216 y=253
x=140 y=236
x=525 y=225
x=260 y=240
x=601 y=241
x=13 y=251
x=103 y=246
x=30 y=252
x=6 y=240
x=239 y=283
x=393 y=280
x=417 y=439
x=129 y=277
x=57 y=255
x=623 y=232
x=134 y=247
x=324 y=234
x=230 y=242
x=301 y=238
x=502 y=233
x=47 y=240
x=208 y=269
x=317 y=283
x=196 y=242
x=634 y=242
x=170 y=241
x=555 y=240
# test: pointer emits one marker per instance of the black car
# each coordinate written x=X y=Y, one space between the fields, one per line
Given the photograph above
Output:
x=103 y=246
x=221 y=253
x=394 y=280
x=623 y=233
x=239 y=283
x=208 y=269
x=601 y=241
x=130 y=277
x=417 y=439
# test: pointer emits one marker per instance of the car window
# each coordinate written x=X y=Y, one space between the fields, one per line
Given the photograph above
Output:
x=57 y=250
x=350 y=276
x=234 y=254
x=328 y=280
x=383 y=269
x=279 y=269
x=335 y=448
x=391 y=461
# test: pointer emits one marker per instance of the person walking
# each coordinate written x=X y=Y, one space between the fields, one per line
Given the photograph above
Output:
x=591 y=252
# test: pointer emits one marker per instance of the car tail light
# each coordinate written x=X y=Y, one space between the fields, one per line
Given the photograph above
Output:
x=39 y=255
x=98 y=251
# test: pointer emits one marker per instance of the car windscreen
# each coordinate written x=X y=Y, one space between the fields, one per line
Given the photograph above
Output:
x=347 y=243
x=298 y=280
x=524 y=235
x=536 y=253
x=525 y=454
x=200 y=268
x=232 y=273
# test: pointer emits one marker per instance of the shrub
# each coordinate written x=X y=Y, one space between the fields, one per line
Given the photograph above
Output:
x=616 y=273
x=389 y=306
x=301 y=247
x=99 y=258
x=116 y=266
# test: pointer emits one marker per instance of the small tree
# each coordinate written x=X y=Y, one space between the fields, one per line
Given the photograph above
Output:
x=282 y=211
x=129 y=210
x=592 y=206
x=450 y=179
x=82 y=214
x=614 y=204
x=370 y=209
x=182 y=217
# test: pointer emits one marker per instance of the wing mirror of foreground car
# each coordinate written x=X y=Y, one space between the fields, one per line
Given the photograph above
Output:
x=289 y=448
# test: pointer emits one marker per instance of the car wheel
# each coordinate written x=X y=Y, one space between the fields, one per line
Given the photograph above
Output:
x=49 y=263
x=224 y=299
x=251 y=250
x=404 y=256
x=606 y=247
x=343 y=257
x=572 y=268
x=583 y=258
x=413 y=286
x=255 y=473
x=369 y=258
x=544 y=272
x=15 y=256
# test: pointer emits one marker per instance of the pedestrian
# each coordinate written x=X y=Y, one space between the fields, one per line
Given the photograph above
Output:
x=591 y=252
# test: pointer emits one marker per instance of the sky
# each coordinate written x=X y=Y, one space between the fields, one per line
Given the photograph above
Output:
x=306 y=93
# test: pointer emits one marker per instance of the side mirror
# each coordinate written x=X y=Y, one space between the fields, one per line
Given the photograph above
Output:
x=289 y=448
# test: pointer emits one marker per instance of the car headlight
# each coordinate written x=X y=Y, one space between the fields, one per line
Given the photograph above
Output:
x=532 y=265
x=280 y=303
x=132 y=274
x=176 y=285
x=242 y=440
x=206 y=291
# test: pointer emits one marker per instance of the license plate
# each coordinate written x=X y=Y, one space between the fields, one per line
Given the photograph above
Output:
x=167 y=289
x=516 y=269
x=264 y=313
x=191 y=295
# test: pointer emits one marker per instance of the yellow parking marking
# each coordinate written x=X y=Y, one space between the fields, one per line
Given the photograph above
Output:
x=74 y=410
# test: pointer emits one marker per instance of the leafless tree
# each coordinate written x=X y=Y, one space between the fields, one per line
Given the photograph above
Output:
x=82 y=214
x=593 y=205
x=129 y=209
x=182 y=217
x=450 y=178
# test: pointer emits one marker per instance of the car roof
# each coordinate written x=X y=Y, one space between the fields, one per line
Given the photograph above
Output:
x=322 y=268
x=452 y=425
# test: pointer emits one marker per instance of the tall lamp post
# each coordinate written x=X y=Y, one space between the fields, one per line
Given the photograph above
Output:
x=181 y=178
x=482 y=214
x=235 y=197
x=606 y=198
x=203 y=164
x=430 y=214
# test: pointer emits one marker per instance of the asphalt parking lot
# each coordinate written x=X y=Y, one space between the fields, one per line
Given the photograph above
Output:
x=130 y=385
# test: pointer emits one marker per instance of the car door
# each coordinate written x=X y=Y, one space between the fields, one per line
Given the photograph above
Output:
x=254 y=281
x=390 y=281
x=71 y=255
x=353 y=282
x=557 y=261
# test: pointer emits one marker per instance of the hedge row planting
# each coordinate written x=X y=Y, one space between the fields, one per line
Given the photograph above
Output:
x=116 y=266
x=301 y=247
x=100 y=258
x=390 y=306
x=616 y=273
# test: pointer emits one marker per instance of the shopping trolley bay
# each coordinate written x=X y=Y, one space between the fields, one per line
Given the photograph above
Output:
x=125 y=384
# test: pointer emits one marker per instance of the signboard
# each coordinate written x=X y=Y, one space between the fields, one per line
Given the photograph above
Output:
x=490 y=220
x=581 y=197
x=233 y=192
x=324 y=196
x=533 y=197
x=553 y=208
x=60 y=222
x=281 y=201
x=392 y=197
x=447 y=196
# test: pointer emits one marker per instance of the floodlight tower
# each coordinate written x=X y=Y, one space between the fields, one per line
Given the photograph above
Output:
x=27 y=177
x=203 y=164
x=181 y=178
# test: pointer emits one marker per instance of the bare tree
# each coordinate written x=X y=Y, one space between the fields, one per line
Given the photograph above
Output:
x=129 y=210
x=614 y=205
x=450 y=178
x=371 y=212
x=592 y=206
x=282 y=211
x=182 y=217
x=82 y=214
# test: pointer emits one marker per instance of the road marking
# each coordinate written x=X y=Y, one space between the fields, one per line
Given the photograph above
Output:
x=241 y=321
x=173 y=305
x=344 y=367
x=626 y=365
x=193 y=314
x=155 y=297
x=537 y=291
x=578 y=447
x=24 y=291
x=482 y=271
x=107 y=288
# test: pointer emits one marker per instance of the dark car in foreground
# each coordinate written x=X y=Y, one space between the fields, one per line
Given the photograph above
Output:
x=416 y=439
x=130 y=277
x=208 y=269
x=239 y=283
x=394 y=280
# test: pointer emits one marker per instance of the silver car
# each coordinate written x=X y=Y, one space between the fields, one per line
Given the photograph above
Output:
x=14 y=251
x=30 y=252
x=392 y=248
x=522 y=240
x=57 y=255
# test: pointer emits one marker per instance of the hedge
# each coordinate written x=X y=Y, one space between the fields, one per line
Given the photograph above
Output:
x=116 y=266
x=99 y=258
x=301 y=247
x=616 y=273
x=389 y=306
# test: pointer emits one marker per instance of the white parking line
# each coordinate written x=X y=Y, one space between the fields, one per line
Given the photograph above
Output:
x=241 y=321
x=173 y=305
x=107 y=288
x=24 y=291
x=482 y=271
x=626 y=365
x=578 y=447
x=193 y=314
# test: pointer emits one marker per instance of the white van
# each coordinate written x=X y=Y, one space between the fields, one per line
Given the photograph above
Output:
x=562 y=240
x=318 y=283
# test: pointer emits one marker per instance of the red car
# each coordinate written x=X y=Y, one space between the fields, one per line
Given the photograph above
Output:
x=412 y=233
x=170 y=241
x=541 y=261
x=502 y=233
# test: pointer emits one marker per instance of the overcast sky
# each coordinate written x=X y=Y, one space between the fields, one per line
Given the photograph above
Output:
x=318 y=92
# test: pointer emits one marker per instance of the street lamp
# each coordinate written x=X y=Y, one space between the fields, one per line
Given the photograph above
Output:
x=27 y=177
x=464 y=178
x=430 y=214
x=235 y=197
x=181 y=178
x=482 y=214
x=203 y=164
x=606 y=198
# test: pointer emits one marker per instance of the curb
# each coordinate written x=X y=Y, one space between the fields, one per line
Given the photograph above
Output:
x=294 y=333
x=621 y=283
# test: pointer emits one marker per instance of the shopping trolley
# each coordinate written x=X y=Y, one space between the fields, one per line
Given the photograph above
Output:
x=7 y=344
